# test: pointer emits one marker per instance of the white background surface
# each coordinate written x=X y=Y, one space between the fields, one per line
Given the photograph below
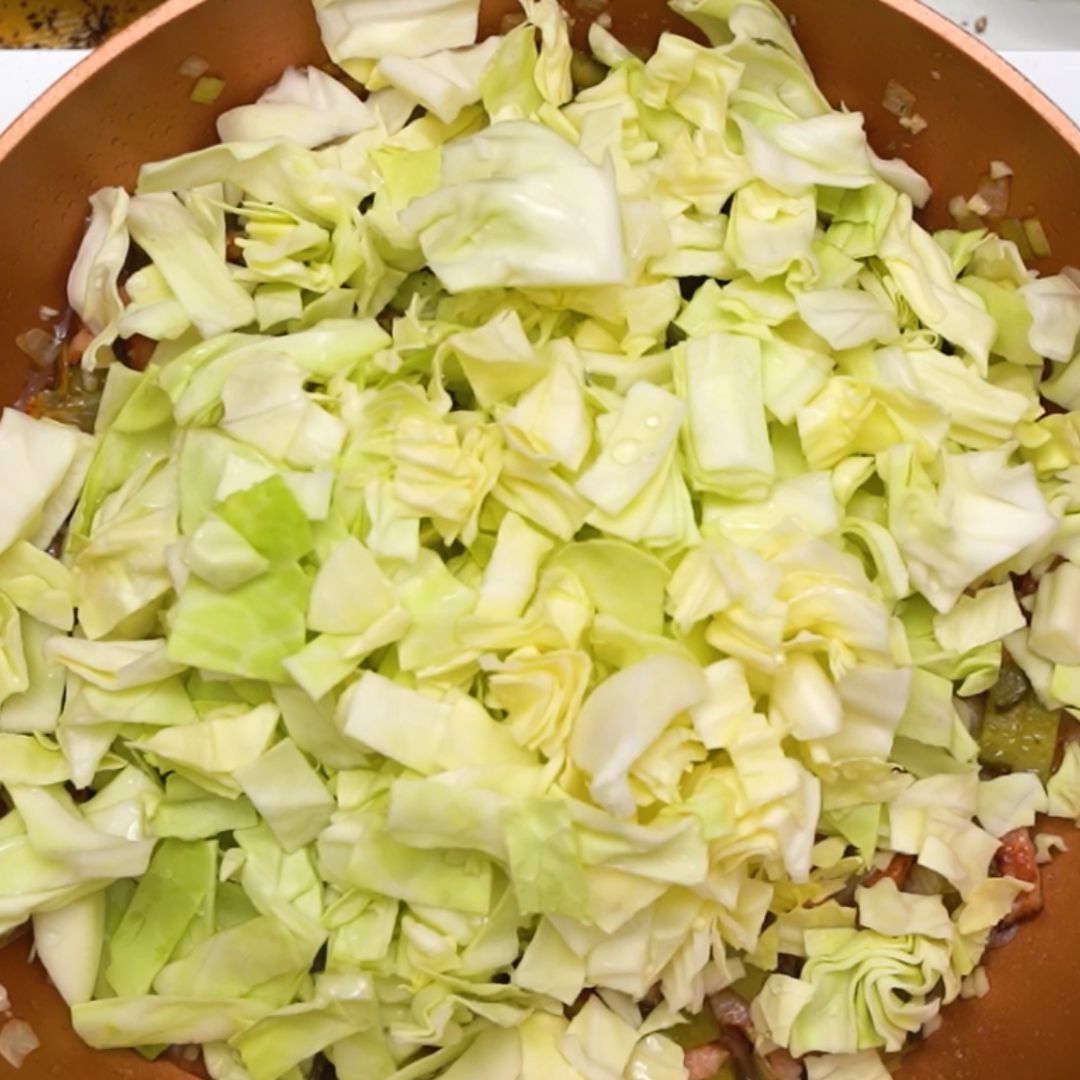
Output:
x=1019 y=24
x=25 y=74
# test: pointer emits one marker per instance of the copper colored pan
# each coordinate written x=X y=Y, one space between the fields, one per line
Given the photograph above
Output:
x=128 y=104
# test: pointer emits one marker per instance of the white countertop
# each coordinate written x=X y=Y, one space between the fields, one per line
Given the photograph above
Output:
x=1018 y=24
x=25 y=74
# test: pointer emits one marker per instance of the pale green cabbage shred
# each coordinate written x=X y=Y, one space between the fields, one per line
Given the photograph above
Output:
x=566 y=629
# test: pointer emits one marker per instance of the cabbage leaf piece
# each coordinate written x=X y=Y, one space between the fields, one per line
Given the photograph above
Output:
x=518 y=205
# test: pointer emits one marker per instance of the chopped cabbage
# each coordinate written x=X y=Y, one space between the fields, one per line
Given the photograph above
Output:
x=518 y=205
x=44 y=465
x=306 y=107
x=548 y=554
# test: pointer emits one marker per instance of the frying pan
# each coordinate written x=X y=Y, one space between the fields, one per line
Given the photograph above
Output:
x=128 y=103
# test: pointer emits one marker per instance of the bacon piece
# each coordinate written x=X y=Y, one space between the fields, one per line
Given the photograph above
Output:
x=136 y=351
x=730 y=1010
x=898 y=870
x=704 y=1062
x=1025 y=584
x=234 y=253
x=77 y=344
x=1016 y=858
x=782 y=1066
x=733 y=1015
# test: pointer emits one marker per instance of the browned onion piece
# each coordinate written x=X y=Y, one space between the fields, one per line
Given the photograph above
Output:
x=1002 y=935
x=899 y=100
x=995 y=193
x=42 y=347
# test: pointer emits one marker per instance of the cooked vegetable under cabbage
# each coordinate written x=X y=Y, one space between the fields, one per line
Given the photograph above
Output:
x=584 y=585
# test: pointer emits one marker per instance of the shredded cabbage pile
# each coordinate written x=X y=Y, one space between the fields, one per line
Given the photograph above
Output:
x=546 y=558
